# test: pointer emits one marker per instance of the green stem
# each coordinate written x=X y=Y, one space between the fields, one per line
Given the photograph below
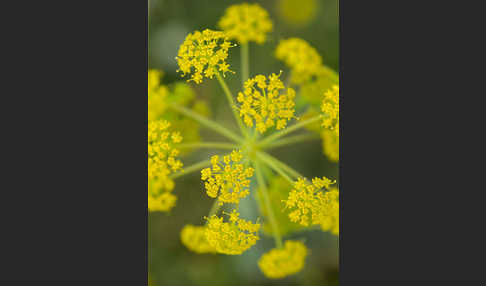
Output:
x=288 y=130
x=214 y=208
x=274 y=166
x=232 y=104
x=192 y=168
x=284 y=166
x=245 y=63
x=207 y=122
x=268 y=206
x=211 y=145
x=291 y=140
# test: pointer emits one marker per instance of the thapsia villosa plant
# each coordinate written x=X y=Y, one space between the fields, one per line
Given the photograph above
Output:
x=263 y=110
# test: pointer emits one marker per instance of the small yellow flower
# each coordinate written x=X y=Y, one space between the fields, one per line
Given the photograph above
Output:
x=161 y=152
x=228 y=178
x=301 y=58
x=279 y=263
x=194 y=238
x=203 y=54
x=233 y=237
x=164 y=202
x=246 y=22
x=262 y=105
x=330 y=145
x=330 y=108
x=307 y=202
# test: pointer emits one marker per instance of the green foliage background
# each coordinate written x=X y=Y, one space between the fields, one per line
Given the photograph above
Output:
x=170 y=263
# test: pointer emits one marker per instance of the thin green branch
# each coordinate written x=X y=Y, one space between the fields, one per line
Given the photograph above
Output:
x=245 y=63
x=288 y=130
x=274 y=166
x=284 y=166
x=291 y=140
x=192 y=168
x=266 y=198
x=207 y=122
x=231 y=102
x=210 y=145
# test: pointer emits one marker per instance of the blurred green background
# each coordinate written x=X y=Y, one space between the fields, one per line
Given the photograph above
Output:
x=170 y=263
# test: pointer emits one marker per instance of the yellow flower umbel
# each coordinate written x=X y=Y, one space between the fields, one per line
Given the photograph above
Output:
x=300 y=57
x=330 y=212
x=246 y=22
x=233 y=237
x=161 y=163
x=228 y=178
x=279 y=263
x=157 y=95
x=330 y=108
x=203 y=54
x=307 y=202
x=194 y=238
x=262 y=104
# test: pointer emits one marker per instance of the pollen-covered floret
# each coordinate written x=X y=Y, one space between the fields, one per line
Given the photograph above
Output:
x=233 y=237
x=300 y=57
x=279 y=263
x=307 y=201
x=161 y=151
x=246 y=22
x=194 y=238
x=262 y=105
x=203 y=54
x=330 y=108
x=227 y=180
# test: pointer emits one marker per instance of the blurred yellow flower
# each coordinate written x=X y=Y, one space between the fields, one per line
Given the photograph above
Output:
x=164 y=202
x=194 y=238
x=157 y=95
x=262 y=104
x=330 y=108
x=246 y=22
x=330 y=145
x=233 y=237
x=297 y=12
x=279 y=263
x=161 y=152
x=300 y=57
x=203 y=54
x=228 y=178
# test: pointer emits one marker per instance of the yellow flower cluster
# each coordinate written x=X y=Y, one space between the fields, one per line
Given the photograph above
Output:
x=246 y=22
x=161 y=152
x=263 y=105
x=161 y=163
x=279 y=263
x=301 y=58
x=233 y=237
x=203 y=54
x=307 y=201
x=162 y=203
x=330 y=145
x=330 y=108
x=228 y=178
x=156 y=95
x=194 y=238
x=330 y=212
